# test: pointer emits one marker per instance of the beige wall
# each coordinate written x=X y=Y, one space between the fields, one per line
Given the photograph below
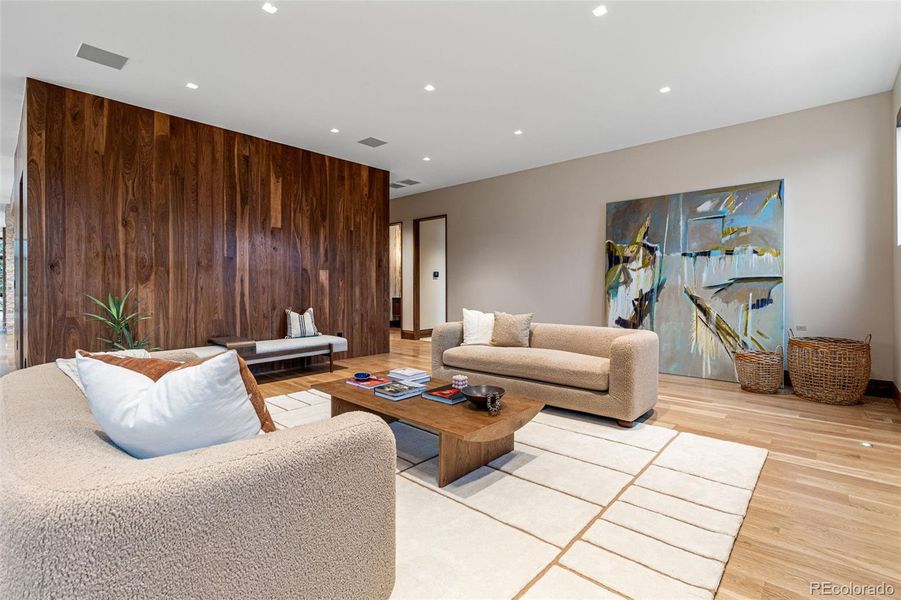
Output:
x=896 y=247
x=533 y=241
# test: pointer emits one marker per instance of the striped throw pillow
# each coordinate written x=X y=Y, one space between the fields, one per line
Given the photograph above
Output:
x=301 y=325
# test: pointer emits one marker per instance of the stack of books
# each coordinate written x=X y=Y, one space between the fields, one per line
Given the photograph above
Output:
x=368 y=384
x=408 y=375
x=399 y=390
x=446 y=394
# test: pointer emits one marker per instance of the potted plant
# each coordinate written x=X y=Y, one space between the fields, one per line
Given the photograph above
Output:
x=120 y=322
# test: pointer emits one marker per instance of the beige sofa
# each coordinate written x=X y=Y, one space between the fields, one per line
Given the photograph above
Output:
x=306 y=512
x=600 y=370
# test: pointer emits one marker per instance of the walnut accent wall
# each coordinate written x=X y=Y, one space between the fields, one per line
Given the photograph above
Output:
x=217 y=232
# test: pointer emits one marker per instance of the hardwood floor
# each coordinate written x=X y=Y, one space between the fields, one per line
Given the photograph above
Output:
x=825 y=509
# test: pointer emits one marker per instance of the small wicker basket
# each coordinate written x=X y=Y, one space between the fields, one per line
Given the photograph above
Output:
x=829 y=370
x=759 y=372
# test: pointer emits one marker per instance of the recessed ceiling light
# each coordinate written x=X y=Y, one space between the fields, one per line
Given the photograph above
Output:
x=600 y=11
x=866 y=444
x=426 y=158
x=191 y=86
x=270 y=9
x=335 y=130
x=429 y=87
x=517 y=132
x=665 y=89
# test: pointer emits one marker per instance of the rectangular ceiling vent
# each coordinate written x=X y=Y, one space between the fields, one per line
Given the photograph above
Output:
x=396 y=185
x=409 y=181
x=101 y=56
x=372 y=142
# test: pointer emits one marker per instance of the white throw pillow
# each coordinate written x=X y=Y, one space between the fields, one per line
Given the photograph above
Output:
x=187 y=408
x=301 y=324
x=68 y=366
x=477 y=327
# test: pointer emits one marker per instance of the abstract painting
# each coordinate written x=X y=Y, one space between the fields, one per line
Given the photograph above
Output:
x=702 y=269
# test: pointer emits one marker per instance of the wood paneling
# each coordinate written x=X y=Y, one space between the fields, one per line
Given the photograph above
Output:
x=217 y=232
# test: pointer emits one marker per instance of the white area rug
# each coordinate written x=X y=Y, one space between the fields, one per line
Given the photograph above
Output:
x=645 y=512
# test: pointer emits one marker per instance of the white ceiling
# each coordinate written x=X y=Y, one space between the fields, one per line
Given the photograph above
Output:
x=576 y=84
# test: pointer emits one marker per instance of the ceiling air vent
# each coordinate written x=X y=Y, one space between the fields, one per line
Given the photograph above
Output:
x=101 y=56
x=397 y=186
x=409 y=181
x=372 y=142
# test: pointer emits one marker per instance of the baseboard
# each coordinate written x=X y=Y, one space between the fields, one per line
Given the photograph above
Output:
x=877 y=388
x=881 y=388
x=407 y=335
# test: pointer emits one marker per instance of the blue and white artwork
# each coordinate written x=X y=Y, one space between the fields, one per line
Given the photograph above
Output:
x=704 y=270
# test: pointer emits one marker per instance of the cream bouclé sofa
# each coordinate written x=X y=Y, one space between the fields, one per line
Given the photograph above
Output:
x=307 y=512
x=605 y=371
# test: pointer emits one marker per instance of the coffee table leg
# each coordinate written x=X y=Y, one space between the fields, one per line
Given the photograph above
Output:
x=456 y=457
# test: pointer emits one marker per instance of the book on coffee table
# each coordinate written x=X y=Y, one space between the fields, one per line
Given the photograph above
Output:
x=446 y=394
x=397 y=390
x=408 y=375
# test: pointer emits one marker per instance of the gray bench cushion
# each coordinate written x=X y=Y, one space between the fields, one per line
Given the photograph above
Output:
x=301 y=344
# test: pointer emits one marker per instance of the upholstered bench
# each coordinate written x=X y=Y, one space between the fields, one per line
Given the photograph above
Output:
x=263 y=351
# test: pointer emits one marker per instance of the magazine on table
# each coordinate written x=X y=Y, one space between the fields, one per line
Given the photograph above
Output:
x=368 y=384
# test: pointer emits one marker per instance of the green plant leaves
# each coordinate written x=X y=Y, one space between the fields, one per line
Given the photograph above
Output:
x=119 y=323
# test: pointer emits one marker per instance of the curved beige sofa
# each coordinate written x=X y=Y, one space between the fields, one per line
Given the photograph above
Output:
x=605 y=371
x=306 y=512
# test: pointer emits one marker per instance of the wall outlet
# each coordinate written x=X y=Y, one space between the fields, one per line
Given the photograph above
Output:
x=801 y=327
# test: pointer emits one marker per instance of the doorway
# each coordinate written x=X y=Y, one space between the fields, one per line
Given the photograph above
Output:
x=20 y=282
x=429 y=274
x=395 y=272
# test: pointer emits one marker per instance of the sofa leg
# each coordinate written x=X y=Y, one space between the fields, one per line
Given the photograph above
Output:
x=626 y=424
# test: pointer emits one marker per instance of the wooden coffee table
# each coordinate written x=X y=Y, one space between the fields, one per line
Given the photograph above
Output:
x=468 y=437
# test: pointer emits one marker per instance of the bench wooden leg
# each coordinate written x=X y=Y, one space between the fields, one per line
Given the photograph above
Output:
x=331 y=363
x=626 y=424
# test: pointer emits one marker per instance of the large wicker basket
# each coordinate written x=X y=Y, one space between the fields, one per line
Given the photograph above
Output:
x=759 y=372
x=829 y=370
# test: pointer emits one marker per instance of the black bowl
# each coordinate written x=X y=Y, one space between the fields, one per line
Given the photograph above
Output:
x=478 y=394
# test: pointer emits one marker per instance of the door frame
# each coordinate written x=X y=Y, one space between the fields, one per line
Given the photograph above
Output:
x=19 y=276
x=417 y=332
